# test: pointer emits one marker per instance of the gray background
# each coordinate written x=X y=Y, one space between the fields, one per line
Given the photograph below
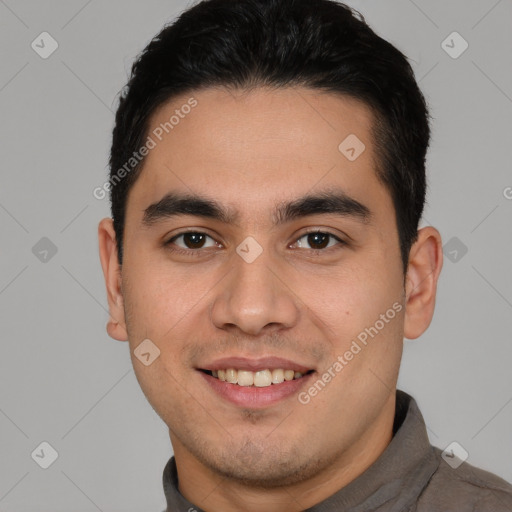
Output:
x=64 y=381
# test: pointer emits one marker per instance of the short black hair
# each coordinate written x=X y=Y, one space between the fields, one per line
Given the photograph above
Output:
x=318 y=44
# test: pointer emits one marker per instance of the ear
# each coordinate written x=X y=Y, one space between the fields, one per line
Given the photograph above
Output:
x=425 y=263
x=116 y=326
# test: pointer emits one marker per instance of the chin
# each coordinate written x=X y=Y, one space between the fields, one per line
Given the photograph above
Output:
x=269 y=467
x=267 y=474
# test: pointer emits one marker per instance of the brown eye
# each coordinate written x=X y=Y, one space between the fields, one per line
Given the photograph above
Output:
x=318 y=240
x=194 y=240
x=191 y=240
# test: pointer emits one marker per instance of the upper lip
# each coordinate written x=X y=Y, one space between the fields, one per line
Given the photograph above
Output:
x=261 y=363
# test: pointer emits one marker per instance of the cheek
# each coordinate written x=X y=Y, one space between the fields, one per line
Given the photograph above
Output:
x=360 y=301
x=158 y=297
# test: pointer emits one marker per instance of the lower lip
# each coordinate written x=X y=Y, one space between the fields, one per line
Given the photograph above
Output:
x=254 y=397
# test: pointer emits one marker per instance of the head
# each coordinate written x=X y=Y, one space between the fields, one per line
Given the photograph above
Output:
x=272 y=220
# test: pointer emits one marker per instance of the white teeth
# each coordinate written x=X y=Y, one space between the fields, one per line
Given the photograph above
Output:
x=289 y=374
x=245 y=378
x=231 y=376
x=277 y=376
x=260 y=379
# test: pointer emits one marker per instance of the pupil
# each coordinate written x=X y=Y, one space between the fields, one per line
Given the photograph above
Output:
x=316 y=239
x=193 y=240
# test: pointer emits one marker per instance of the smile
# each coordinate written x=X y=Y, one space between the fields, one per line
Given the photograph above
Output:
x=261 y=378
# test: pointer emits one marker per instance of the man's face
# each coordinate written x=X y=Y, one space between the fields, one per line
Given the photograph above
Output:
x=211 y=301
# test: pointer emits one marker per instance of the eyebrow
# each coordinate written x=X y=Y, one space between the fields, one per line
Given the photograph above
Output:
x=325 y=202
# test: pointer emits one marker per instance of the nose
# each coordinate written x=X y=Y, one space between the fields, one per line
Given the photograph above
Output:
x=255 y=297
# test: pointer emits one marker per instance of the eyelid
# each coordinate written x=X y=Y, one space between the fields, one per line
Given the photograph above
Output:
x=189 y=231
x=185 y=231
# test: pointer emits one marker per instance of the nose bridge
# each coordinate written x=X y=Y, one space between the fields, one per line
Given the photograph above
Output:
x=254 y=294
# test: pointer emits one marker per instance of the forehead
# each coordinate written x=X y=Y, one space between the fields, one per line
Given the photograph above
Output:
x=252 y=148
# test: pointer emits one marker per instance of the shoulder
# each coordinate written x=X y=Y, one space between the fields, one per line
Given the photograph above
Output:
x=464 y=489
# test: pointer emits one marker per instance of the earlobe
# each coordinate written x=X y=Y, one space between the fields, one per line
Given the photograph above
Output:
x=116 y=327
x=425 y=263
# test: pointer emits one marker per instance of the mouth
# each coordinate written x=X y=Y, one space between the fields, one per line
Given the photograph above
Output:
x=257 y=379
x=255 y=383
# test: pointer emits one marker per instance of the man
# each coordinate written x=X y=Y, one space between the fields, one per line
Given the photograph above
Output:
x=264 y=262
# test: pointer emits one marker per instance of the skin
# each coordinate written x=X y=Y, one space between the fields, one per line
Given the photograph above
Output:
x=251 y=150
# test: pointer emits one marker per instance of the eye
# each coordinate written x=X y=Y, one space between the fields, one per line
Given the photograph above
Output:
x=191 y=240
x=318 y=240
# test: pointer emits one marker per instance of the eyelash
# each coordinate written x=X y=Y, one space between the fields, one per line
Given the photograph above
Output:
x=197 y=252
